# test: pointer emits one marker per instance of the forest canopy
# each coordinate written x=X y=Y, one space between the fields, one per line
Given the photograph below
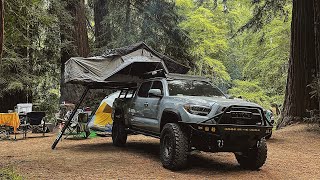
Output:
x=220 y=39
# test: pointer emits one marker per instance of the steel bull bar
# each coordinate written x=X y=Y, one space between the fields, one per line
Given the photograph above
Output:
x=232 y=137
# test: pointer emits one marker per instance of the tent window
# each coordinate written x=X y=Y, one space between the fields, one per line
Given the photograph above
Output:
x=144 y=89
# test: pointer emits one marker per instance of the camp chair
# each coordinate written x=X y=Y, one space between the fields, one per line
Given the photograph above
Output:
x=34 y=122
x=78 y=125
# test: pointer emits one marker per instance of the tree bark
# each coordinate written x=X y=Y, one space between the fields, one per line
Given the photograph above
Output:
x=80 y=33
x=101 y=25
x=128 y=21
x=2 y=32
x=71 y=93
x=302 y=64
x=317 y=39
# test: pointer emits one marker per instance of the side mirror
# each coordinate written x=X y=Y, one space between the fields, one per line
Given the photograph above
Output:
x=231 y=97
x=155 y=93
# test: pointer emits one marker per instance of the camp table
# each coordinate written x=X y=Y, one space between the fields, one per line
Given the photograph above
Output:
x=11 y=120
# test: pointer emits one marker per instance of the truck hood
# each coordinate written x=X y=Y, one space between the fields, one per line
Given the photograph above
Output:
x=202 y=100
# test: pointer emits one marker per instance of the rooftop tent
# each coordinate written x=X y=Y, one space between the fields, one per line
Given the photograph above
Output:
x=173 y=66
x=119 y=67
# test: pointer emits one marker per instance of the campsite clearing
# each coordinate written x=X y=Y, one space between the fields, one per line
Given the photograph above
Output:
x=292 y=154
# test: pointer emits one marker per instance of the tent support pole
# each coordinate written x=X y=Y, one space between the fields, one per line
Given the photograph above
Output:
x=70 y=118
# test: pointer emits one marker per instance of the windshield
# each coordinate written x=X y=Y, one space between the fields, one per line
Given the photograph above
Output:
x=192 y=88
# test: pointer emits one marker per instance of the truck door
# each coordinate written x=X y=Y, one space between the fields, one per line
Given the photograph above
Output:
x=152 y=107
x=137 y=109
x=146 y=119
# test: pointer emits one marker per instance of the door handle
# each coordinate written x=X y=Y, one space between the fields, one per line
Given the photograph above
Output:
x=145 y=104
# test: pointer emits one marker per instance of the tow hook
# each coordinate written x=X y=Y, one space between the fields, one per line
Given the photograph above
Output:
x=258 y=144
x=220 y=143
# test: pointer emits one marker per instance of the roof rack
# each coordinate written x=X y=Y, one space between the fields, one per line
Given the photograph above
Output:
x=155 y=73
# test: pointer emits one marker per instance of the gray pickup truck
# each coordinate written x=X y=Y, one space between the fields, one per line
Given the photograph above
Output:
x=188 y=113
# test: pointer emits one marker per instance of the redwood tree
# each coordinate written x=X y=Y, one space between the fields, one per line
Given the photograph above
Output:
x=79 y=47
x=102 y=32
x=2 y=31
x=303 y=61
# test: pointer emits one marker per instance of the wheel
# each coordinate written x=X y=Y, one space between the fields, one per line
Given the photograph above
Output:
x=254 y=158
x=173 y=147
x=269 y=136
x=119 y=134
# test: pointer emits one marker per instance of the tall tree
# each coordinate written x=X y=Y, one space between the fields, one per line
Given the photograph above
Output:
x=302 y=63
x=101 y=26
x=75 y=45
x=317 y=39
x=1 y=31
x=124 y=22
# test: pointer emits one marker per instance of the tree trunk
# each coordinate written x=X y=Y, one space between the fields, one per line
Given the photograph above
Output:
x=69 y=92
x=2 y=31
x=101 y=26
x=128 y=21
x=302 y=64
x=80 y=33
x=317 y=39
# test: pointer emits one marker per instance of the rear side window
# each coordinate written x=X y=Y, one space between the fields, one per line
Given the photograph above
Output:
x=144 y=89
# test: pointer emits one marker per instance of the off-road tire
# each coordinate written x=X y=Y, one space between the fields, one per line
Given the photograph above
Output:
x=253 y=158
x=119 y=134
x=173 y=147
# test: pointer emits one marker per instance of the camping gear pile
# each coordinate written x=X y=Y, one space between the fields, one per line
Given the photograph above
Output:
x=24 y=120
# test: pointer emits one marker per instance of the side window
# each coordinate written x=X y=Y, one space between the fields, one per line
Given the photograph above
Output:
x=144 y=89
x=157 y=85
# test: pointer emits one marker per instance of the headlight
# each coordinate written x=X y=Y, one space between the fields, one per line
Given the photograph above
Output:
x=197 y=109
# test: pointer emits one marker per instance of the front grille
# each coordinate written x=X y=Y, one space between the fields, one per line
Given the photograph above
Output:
x=241 y=116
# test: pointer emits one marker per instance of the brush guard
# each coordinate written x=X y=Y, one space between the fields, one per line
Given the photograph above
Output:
x=220 y=134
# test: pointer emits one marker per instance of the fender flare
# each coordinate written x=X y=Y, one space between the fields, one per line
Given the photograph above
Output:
x=172 y=111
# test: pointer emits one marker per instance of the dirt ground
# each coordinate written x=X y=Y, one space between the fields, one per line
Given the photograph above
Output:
x=293 y=153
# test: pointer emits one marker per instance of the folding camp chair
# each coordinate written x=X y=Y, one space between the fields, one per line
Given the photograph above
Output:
x=78 y=125
x=34 y=123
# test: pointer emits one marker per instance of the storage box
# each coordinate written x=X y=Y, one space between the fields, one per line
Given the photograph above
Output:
x=24 y=108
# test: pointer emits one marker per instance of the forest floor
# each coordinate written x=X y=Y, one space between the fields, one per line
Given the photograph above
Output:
x=293 y=153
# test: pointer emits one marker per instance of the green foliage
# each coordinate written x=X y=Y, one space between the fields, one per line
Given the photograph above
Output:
x=207 y=29
x=250 y=91
x=47 y=95
x=261 y=54
x=31 y=53
x=9 y=174
x=155 y=22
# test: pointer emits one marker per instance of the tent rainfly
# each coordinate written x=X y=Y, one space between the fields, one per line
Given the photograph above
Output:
x=116 y=69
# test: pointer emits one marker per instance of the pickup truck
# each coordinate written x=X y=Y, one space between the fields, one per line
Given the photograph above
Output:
x=189 y=113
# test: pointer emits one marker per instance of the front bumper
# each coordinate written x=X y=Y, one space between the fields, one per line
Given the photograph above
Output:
x=226 y=137
x=220 y=137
